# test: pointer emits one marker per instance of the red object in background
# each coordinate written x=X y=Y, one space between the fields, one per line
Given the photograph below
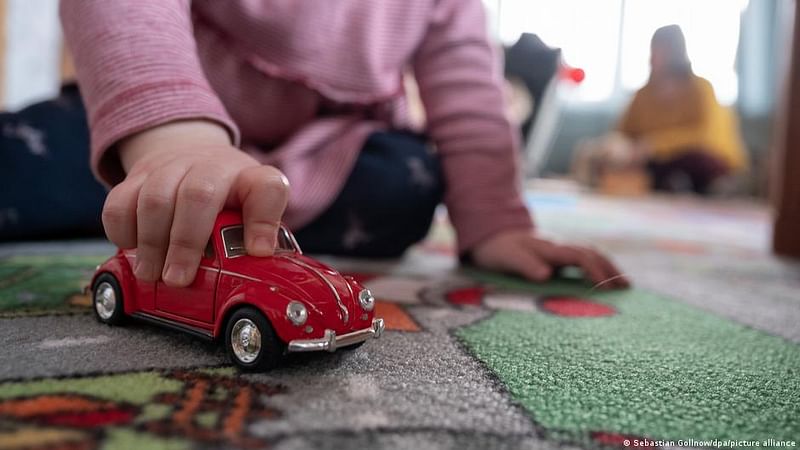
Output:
x=260 y=307
x=573 y=74
x=472 y=295
x=576 y=307
x=361 y=277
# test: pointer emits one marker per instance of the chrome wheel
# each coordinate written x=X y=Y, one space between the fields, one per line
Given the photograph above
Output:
x=245 y=340
x=105 y=300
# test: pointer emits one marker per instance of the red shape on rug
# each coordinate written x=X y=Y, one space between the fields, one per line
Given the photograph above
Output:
x=395 y=317
x=472 y=296
x=90 y=419
x=576 y=307
x=611 y=439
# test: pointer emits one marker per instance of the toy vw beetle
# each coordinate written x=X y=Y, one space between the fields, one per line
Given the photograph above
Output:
x=260 y=307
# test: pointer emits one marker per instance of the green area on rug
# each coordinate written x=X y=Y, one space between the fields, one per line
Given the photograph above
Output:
x=136 y=388
x=36 y=284
x=658 y=369
x=126 y=439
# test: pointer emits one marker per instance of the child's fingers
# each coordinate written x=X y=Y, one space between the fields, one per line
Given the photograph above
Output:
x=618 y=279
x=511 y=256
x=604 y=273
x=119 y=212
x=565 y=255
x=155 y=208
x=200 y=196
x=528 y=264
x=263 y=192
x=588 y=260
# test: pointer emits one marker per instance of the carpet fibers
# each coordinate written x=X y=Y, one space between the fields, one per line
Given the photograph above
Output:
x=703 y=352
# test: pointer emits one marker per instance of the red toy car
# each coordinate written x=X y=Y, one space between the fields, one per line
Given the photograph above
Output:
x=263 y=307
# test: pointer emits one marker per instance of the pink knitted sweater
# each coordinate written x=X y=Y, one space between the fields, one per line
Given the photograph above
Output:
x=300 y=84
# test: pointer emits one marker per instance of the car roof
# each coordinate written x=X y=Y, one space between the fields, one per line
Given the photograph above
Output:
x=229 y=217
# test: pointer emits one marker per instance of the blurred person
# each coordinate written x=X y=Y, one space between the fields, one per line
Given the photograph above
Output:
x=676 y=124
x=197 y=106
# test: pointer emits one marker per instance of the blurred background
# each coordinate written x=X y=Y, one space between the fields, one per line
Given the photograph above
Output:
x=740 y=46
x=572 y=68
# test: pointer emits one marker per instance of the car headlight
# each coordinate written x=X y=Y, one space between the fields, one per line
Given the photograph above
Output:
x=366 y=299
x=296 y=312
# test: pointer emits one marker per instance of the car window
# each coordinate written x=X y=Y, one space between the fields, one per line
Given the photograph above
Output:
x=233 y=240
x=286 y=241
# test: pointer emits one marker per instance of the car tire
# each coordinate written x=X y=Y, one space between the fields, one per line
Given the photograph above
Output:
x=248 y=350
x=107 y=301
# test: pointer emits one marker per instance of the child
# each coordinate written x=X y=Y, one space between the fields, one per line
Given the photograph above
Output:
x=292 y=110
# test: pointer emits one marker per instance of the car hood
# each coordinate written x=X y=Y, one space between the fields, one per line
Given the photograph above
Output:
x=321 y=286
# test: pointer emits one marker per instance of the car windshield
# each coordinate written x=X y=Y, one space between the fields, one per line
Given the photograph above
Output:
x=233 y=239
x=286 y=241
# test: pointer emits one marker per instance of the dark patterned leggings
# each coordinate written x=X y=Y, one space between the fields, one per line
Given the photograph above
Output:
x=47 y=190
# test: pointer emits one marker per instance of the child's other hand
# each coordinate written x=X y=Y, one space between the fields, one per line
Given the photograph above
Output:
x=180 y=176
x=522 y=253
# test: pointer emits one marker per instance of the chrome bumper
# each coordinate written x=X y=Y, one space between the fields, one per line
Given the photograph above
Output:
x=331 y=342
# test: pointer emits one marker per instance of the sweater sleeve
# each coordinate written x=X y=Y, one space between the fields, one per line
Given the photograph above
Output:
x=137 y=66
x=460 y=87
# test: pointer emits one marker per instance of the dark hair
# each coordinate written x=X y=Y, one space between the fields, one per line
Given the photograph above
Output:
x=671 y=38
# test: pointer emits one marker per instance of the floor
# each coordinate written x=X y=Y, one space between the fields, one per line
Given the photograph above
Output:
x=704 y=347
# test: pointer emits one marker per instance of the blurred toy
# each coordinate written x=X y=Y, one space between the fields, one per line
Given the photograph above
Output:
x=611 y=164
x=261 y=308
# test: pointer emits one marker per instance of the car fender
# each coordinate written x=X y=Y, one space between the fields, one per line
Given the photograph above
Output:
x=271 y=305
x=241 y=296
x=118 y=266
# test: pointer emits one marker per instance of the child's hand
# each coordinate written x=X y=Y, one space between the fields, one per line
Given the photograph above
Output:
x=180 y=176
x=522 y=253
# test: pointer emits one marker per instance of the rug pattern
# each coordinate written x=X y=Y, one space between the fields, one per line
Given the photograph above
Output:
x=471 y=359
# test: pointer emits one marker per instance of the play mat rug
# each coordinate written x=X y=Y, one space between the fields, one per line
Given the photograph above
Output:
x=702 y=352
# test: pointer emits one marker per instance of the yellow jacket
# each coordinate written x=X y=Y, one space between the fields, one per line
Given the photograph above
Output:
x=691 y=119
